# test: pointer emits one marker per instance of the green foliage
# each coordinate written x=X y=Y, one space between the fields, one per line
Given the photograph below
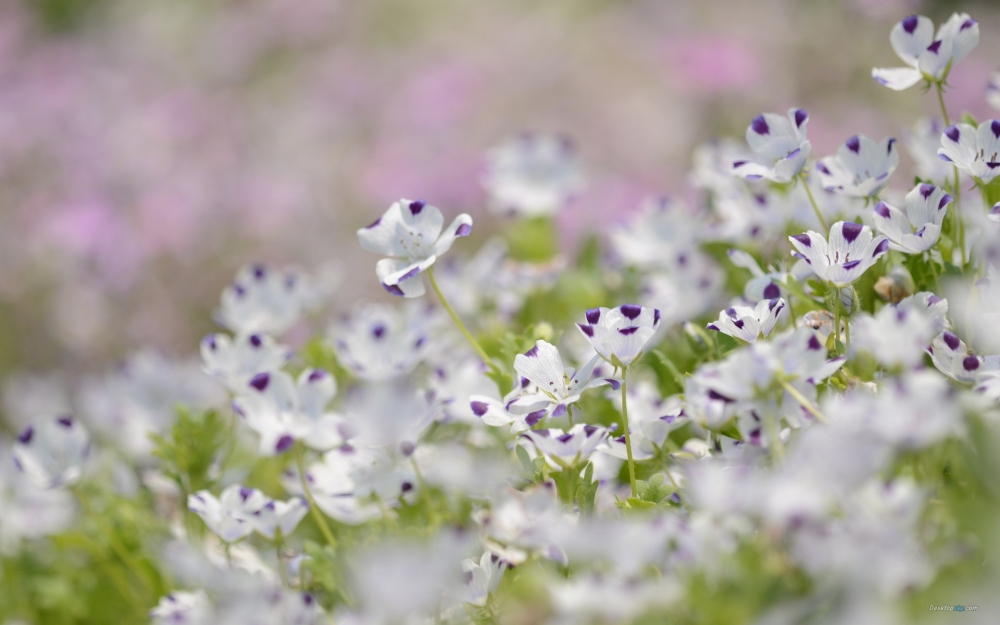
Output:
x=532 y=240
x=191 y=448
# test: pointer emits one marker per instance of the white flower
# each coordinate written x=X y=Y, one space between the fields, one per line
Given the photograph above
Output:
x=923 y=142
x=895 y=336
x=928 y=57
x=235 y=361
x=571 y=446
x=620 y=334
x=934 y=308
x=52 y=453
x=662 y=229
x=954 y=359
x=852 y=249
x=377 y=342
x=183 y=608
x=994 y=214
x=409 y=233
x=650 y=419
x=747 y=323
x=274 y=514
x=975 y=151
x=229 y=515
x=532 y=174
x=782 y=141
x=917 y=229
x=483 y=577
x=264 y=299
x=283 y=411
x=766 y=285
x=993 y=90
x=861 y=167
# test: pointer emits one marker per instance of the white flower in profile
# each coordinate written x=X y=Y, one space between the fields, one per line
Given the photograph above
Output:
x=233 y=361
x=852 y=249
x=378 y=342
x=782 y=141
x=748 y=324
x=482 y=577
x=228 y=516
x=953 y=358
x=532 y=174
x=915 y=229
x=283 y=411
x=895 y=336
x=52 y=453
x=928 y=57
x=570 y=447
x=409 y=233
x=183 y=608
x=861 y=167
x=975 y=151
x=620 y=334
x=264 y=299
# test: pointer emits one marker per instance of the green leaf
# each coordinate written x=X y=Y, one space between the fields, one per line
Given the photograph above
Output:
x=524 y=459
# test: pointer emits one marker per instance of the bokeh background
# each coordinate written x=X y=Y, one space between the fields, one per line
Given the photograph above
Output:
x=148 y=149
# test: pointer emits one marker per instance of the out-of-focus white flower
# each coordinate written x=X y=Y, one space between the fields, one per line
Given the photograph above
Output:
x=283 y=515
x=593 y=598
x=52 y=453
x=934 y=308
x=975 y=151
x=228 y=516
x=662 y=229
x=376 y=342
x=570 y=447
x=993 y=90
x=409 y=233
x=650 y=419
x=782 y=141
x=852 y=249
x=916 y=229
x=235 y=361
x=747 y=323
x=532 y=174
x=264 y=299
x=523 y=522
x=283 y=411
x=183 y=608
x=482 y=577
x=620 y=334
x=895 y=336
x=923 y=142
x=929 y=57
x=953 y=358
x=861 y=167
x=28 y=511
x=994 y=214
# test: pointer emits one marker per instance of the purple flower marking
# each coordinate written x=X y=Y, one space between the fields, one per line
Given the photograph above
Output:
x=26 y=435
x=284 y=443
x=910 y=24
x=952 y=133
x=417 y=206
x=934 y=47
x=814 y=343
x=260 y=381
x=800 y=117
x=378 y=331
x=532 y=353
x=394 y=289
x=66 y=422
x=630 y=310
x=772 y=291
x=759 y=125
x=615 y=384
x=479 y=408
x=373 y=224
x=629 y=330
x=969 y=23
x=593 y=315
x=971 y=363
x=463 y=230
x=316 y=375
x=853 y=144
x=851 y=231
x=995 y=127
x=803 y=239
x=586 y=329
x=951 y=341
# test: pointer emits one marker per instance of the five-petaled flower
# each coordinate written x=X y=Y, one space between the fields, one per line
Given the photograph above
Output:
x=52 y=453
x=409 y=233
x=917 y=228
x=861 y=167
x=852 y=249
x=975 y=151
x=746 y=323
x=620 y=334
x=929 y=57
x=782 y=141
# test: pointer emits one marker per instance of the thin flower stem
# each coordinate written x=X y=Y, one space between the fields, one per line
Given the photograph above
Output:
x=958 y=227
x=836 y=321
x=628 y=440
x=774 y=433
x=569 y=415
x=279 y=547
x=812 y=200
x=791 y=311
x=454 y=317
x=317 y=514
x=944 y=109
x=805 y=403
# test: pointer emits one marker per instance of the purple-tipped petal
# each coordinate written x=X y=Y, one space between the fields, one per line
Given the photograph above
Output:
x=628 y=331
x=463 y=230
x=851 y=231
x=260 y=381
x=593 y=315
x=615 y=384
x=631 y=311
x=771 y=291
x=952 y=133
x=284 y=443
x=951 y=341
x=800 y=117
x=26 y=435
x=910 y=24
x=803 y=239
x=394 y=289
x=417 y=206
x=479 y=408
x=970 y=363
x=853 y=144
x=814 y=343
x=586 y=329
x=759 y=125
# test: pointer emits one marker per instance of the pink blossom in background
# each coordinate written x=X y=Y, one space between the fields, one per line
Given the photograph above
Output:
x=712 y=63
x=436 y=98
x=967 y=88
x=445 y=177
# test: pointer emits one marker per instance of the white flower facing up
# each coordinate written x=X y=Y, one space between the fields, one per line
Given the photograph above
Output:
x=531 y=175
x=235 y=361
x=975 y=151
x=52 y=453
x=895 y=336
x=282 y=410
x=861 y=167
x=409 y=233
x=953 y=358
x=780 y=140
x=748 y=324
x=378 y=342
x=851 y=250
x=928 y=57
x=915 y=229
x=567 y=447
x=183 y=608
x=264 y=299
x=620 y=334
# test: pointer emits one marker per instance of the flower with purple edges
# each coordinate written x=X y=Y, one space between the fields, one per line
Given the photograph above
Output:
x=620 y=334
x=974 y=151
x=782 y=141
x=283 y=411
x=915 y=229
x=229 y=515
x=662 y=232
x=953 y=358
x=52 y=452
x=861 y=167
x=264 y=299
x=530 y=175
x=747 y=324
x=927 y=56
x=852 y=249
x=233 y=361
x=183 y=608
x=567 y=448
x=378 y=342
x=410 y=234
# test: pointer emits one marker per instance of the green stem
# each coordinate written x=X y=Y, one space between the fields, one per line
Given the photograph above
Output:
x=836 y=321
x=791 y=311
x=958 y=226
x=425 y=495
x=454 y=317
x=628 y=440
x=944 y=109
x=317 y=514
x=774 y=434
x=812 y=200
x=805 y=403
x=279 y=547
x=569 y=415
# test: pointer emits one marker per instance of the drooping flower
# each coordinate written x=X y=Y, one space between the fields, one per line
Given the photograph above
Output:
x=953 y=358
x=975 y=151
x=765 y=285
x=747 y=323
x=620 y=334
x=264 y=299
x=929 y=57
x=409 y=233
x=780 y=140
x=283 y=411
x=532 y=174
x=917 y=229
x=861 y=167
x=52 y=453
x=377 y=342
x=852 y=249
x=235 y=361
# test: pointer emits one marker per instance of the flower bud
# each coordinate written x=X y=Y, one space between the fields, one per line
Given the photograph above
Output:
x=895 y=285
